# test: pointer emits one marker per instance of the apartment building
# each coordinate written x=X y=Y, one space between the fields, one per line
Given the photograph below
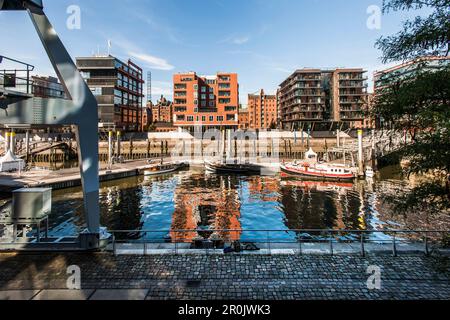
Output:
x=323 y=96
x=117 y=87
x=207 y=101
x=262 y=109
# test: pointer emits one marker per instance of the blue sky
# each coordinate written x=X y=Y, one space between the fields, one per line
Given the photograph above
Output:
x=262 y=40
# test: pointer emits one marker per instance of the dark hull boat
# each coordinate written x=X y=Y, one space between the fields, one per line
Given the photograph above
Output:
x=165 y=168
x=225 y=168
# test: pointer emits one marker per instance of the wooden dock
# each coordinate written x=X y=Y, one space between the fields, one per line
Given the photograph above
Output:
x=67 y=178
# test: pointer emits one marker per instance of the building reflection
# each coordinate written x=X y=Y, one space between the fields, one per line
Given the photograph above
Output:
x=264 y=188
x=206 y=203
x=121 y=207
x=320 y=204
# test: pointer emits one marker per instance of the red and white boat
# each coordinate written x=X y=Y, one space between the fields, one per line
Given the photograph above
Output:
x=311 y=169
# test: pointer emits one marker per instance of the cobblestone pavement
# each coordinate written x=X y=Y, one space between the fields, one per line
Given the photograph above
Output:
x=235 y=276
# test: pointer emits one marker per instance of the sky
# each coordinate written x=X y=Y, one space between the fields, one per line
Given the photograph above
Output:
x=264 y=41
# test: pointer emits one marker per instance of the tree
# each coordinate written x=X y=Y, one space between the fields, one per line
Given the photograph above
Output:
x=419 y=101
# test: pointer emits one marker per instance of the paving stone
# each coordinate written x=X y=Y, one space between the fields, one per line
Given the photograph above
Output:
x=17 y=294
x=232 y=276
x=63 y=294
x=122 y=294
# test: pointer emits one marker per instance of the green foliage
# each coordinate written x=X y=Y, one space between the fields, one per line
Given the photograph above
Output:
x=419 y=101
x=421 y=36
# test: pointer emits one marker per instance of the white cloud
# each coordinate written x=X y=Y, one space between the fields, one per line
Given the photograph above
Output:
x=237 y=40
x=162 y=88
x=241 y=40
x=152 y=61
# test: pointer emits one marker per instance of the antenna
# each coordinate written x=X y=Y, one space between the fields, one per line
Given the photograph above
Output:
x=149 y=86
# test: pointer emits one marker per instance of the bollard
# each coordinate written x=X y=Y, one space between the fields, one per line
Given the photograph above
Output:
x=176 y=243
x=331 y=246
x=114 y=244
x=145 y=244
x=363 y=253
x=427 y=249
x=394 y=247
x=119 y=151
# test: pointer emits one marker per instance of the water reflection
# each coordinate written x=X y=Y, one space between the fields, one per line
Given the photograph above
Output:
x=199 y=201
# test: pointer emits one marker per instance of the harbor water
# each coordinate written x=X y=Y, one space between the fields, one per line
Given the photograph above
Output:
x=197 y=200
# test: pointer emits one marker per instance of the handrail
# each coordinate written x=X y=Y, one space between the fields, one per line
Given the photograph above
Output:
x=268 y=240
x=287 y=230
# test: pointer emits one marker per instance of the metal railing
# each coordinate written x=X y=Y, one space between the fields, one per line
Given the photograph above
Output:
x=295 y=239
x=16 y=79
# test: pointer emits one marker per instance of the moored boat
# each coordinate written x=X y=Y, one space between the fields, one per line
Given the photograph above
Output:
x=311 y=169
x=232 y=168
x=164 y=168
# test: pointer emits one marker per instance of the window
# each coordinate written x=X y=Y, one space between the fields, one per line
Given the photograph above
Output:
x=203 y=103
x=203 y=118
x=211 y=89
x=203 y=96
x=211 y=97
x=203 y=89
x=219 y=118
x=196 y=87
x=190 y=118
x=211 y=103
x=211 y=118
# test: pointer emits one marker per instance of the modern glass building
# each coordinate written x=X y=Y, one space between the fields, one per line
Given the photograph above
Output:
x=118 y=88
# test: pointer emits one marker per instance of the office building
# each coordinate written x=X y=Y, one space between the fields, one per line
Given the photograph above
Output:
x=117 y=87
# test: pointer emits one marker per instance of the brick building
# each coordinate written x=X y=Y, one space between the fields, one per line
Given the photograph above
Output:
x=243 y=119
x=262 y=111
x=207 y=101
x=162 y=111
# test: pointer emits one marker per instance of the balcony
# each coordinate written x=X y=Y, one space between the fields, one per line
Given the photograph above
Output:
x=180 y=86
x=180 y=94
